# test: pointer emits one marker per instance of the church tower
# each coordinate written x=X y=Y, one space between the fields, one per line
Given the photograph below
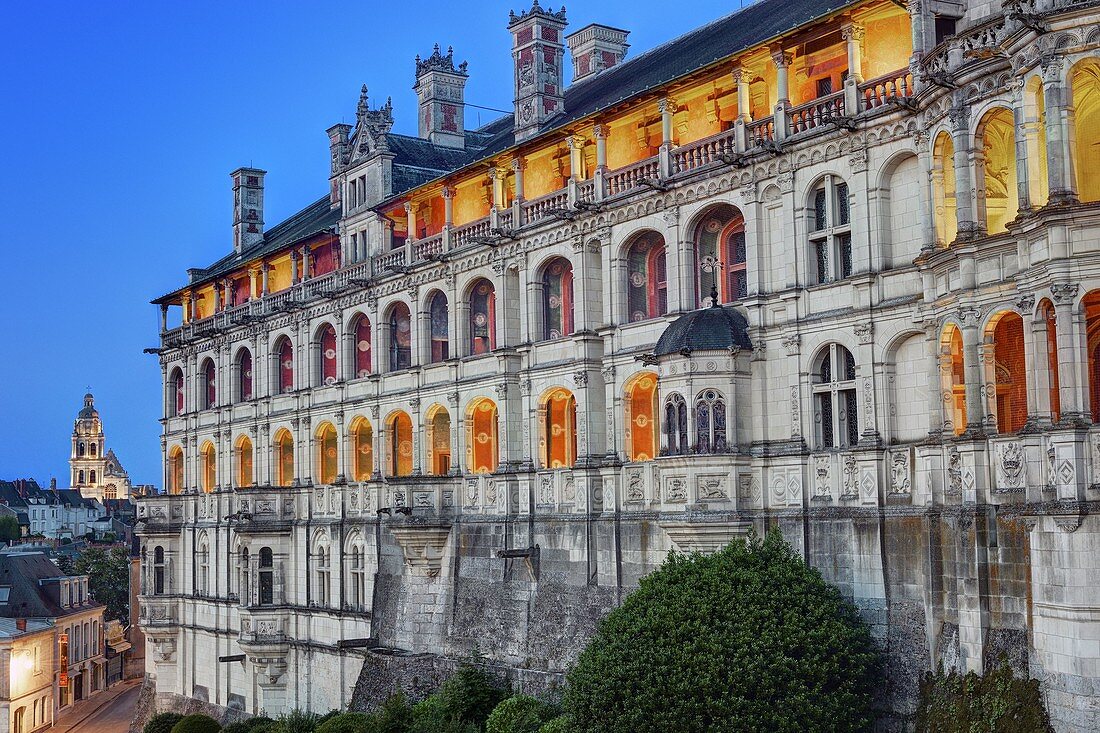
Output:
x=95 y=471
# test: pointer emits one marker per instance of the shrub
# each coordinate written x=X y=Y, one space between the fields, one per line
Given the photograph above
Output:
x=431 y=715
x=259 y=721
x=997 y=702
x=469 y=696
x=749 y=638
x=519 y=714
x=395 y=715
x=559 y=724
x=347 y=723
x=197 y=723
x=162 y=723
x=297 y=721
x=241 y=727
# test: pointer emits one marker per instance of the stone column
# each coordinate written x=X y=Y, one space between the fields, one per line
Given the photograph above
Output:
x=972 y=369
x=782 y=61
x=1020 y=136
x=599 y=132
x=853 y=34
x=964 y=181
x=1072 y=354
x=417 y=436
x=264 y=270
x=667 y=108
x=744 y=107
x=1061 y=175
x=517 y=202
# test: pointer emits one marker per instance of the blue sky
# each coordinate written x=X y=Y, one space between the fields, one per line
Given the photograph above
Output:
x=121 y=122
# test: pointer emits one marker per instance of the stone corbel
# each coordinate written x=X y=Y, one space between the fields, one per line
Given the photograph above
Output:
x=705 y=537
x=423 y=546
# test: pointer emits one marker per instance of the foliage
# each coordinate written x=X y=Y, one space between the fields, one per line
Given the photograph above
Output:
x=108 y=571
x=297 y=721
x=431 y=715
x=997 y=702
x=259 y=721
x=519 y=714
x=9 y=528
x=347 y=723
x=395 y=715
x=197 y=723
x=241 y=727
x=470 y=695
x=559 y=724
x=162 y=723
x=749 y=638
x=66 y=565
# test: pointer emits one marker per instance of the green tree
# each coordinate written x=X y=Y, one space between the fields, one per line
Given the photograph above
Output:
x=197 y=723
x=748 y=639
x=519 y=714
x=108 y=571
x=162 y=723
x=347 y=723
x=9 y=529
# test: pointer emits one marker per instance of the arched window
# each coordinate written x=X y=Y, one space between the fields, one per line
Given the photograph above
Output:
x=244 y=375
x=1091 y=307
x=210 y=376
x=267 y=577
x=284 y=354
x=244 y=461
x=158 y=571
x=400 y=444
x=400 y=338
x=1085 y=92
x=943 y=189
x=953 y=374
x=1009 y=368
x=209 y=467
x=439 y=440
x=175 y=470
x=835 y=414
x=641 y=416
x=557 y=296
x=284 y=458
x=362 y=449
x=710 y=422
x=202 y=582
x=322 y=564
x=326 y=340
x=720 y=261
x=483 y=317
x=357 y=571
x=831 y=230
x=91 y=476
x=559 y=430
x=997 y=157
x=327 y=454
x=176 y=399
x=438 y=327
x=1046 y=311
x=80 y=477
x=676 y=425
x=647 y=282
x=362 y=346
x=80 y=448
x=110 y=491
x=482 y=452
x=92 y=448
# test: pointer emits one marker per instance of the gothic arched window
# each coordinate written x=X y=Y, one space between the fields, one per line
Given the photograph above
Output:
x=175 y=470
x=559 y=430
x=437 y=315
x=710 y=422
x=481 y=450
x=327 y=454
x=400 y=445
x=244 y=461
x=483 y=331
x=647 y=280
x=209 y=467
x=362 y=449
x=400 y=337
x=676 y=425
x=557 y=294
x=327 y=342
x=176 y=398
x=362 y=346
x=720 y=262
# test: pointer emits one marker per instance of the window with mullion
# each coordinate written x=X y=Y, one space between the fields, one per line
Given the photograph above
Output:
x=831 y=232
x=836 y=412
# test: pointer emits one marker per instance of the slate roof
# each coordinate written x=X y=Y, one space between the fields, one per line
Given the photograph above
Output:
x=707 y=329
x=29 y=597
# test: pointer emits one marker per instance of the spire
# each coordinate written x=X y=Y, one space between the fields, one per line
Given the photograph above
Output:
x=361 y=111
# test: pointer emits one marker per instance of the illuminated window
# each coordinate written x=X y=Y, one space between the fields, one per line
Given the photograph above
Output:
x=676 y=425
x=720 y=258
x=327 y=343
x=175 y=399
x=284 y=458
x=831 y=230
x=175 y=470
x=438 y=439
x=483 y=329
x=1085 y=103
x=557 y=293
x=710 y=422
x=400 y=338
x=400 y=444
x=244 y=375
x=1009 y=368
x=327 y=454
x=362 y=449
x=647 y=281
x=641 y=416
x=834 y=386
x=559 y=430
x=997 y=158
x=209 y=467
x=210 y=376
x=481 y=441
x=437 y=317
x=953 y=373
x=284 y=351
x=362 y=346
x=943 y=189
x=244 y=461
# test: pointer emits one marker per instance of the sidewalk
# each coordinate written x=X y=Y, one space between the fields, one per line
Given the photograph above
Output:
x=81 y=711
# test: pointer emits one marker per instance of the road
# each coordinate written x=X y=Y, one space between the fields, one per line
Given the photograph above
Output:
x=114 y=717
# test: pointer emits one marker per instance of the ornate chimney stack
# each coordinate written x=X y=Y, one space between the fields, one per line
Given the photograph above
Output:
x=439 y=87
x=339 y=141
x=538 y=52
x=595 y=48
x=248 y=207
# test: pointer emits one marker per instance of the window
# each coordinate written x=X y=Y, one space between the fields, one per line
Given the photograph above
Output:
x=91 y=476
x=676 y=425
x=1009 y=372
x=362 y=346
x=92 y=447
x=481 y=442
x=327 y=455
x=710 y=422
x=483 y=330
x=720 y=257
x=835 y=414
x=327 y=343
x=438 y=327
x=953 y=372
x=209 y=467
x=400 y=338
x=1046 y=309
x=557 y=293
x=944 y=27
x=244 y=461
x=400 y=444
x=244 y=375
x=559 y=436
x=210 y=375
x=267 y=577
x=175 y=470
x=177 y=389
x=80 y=449
x=203 y=580
x=641 y=416
x=830 y=231
x=158 y=571
x=322 y=576
x=362 y=449
x=80 y=477
x=284 y=458
x=358 y=596
x=284 y=355
x=647 y=281
x=439 y=440
x=824 y=87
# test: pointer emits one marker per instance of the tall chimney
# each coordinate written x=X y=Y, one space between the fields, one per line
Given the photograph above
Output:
x=338 y=142
x=440 y=87
x=248 y=207
x=537 y=50
x=595 y=48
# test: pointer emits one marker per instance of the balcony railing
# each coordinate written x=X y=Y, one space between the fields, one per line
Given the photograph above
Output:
x=429 y=247
x=467 y=232
x=761 y=131
x=631 y=176
x=540 y=208
x=813 y=114
x=879 y=91
x=704 y=152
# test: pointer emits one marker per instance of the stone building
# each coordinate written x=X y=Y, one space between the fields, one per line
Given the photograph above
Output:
x=825 y=267
x=95 y=469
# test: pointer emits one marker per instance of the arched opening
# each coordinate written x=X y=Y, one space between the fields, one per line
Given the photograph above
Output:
x=641 y=416
x=326 y=341
x=322 y=559
x=80 y=477
x=559 y=429
x=203 y=561
x=1035 y=135
x=953 y=374
x=92 y=448
x=1047 y=313
x=1006 y=335
x=1091 y=307
x=836 y=418
x=362 y=449
x=80 y=449
x=328 y=457
x=175 y=398
x=284 y=364
x=646 y=278
x=676 y=425
x=357 y=571
x=175 y=470
x=997 y=137
x=209 y=458
x=438 y=328
x=830 y=229
x=283 y=447
x=1085 y=89
x=210 y=377
x=91 y=476
x=400 y=444
x=362 y=345
x=244 y=375
x=483 y=317
x=557 y=297
x=482 y=452
x=710 y=422
x=439 y=440
x=400 y=337
x=244 y=461
x=943 y=189
x=720 y=258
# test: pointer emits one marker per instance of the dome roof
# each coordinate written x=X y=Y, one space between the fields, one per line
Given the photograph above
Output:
x=88 y=410
x=707 y=329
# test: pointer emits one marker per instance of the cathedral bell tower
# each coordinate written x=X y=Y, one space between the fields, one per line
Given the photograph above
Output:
x=86 y=459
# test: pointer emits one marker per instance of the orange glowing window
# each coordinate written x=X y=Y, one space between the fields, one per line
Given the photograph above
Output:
x=642 y=416
x=560 y=430
x=1010 y=369
x=481 y=445
x=362 y=446
x=327 y=454
x=400 y=444
x=284 y=458
x=244 y=461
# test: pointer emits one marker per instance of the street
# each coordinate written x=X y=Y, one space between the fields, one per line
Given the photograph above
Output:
x=113 y=717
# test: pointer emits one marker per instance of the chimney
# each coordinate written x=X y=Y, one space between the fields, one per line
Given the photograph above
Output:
x=339 y=140
x=248 y=207
x=53 y=484
x=595 y=48
x=537 y=50
x=439 y=88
